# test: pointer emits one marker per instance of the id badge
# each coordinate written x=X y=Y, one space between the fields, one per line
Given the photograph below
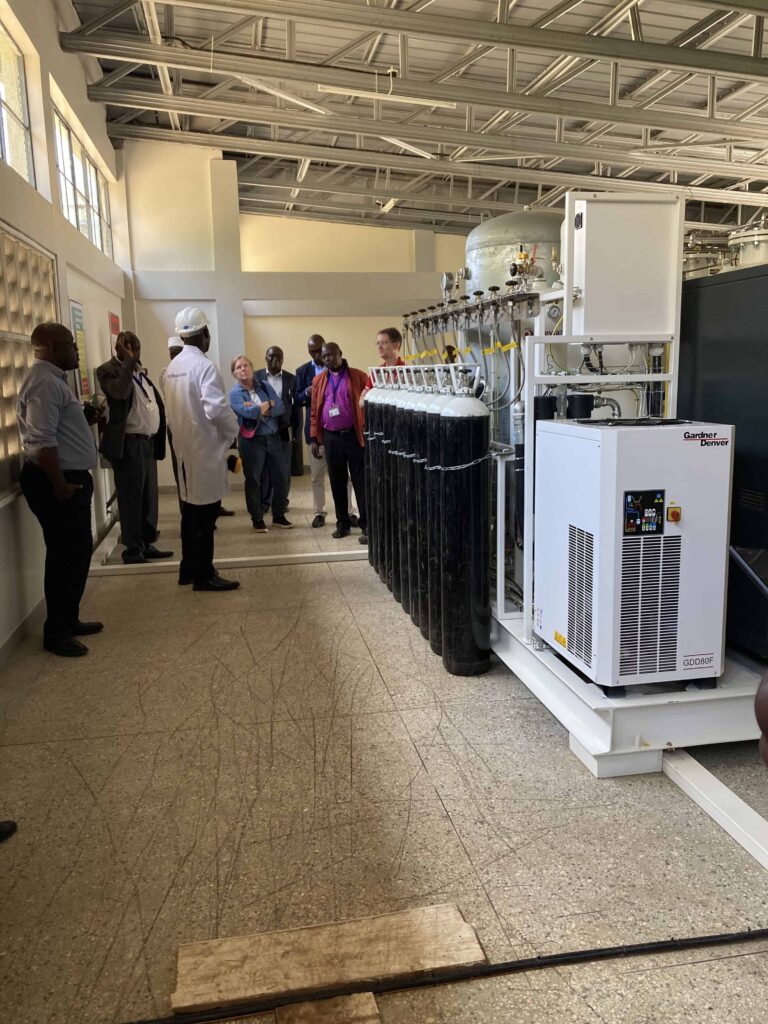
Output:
x=333 y=411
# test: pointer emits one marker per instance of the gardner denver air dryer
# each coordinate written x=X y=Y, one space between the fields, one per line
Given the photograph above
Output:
x=631 y=550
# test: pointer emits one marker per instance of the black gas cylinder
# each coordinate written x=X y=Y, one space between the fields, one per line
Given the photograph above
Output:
x=419 y=582
x=395 y=434
x=412 y=514
x=404 y=488
x=433 y=532
x=465 y=501
x=371 y=474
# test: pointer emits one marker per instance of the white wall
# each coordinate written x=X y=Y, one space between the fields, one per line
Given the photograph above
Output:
x=268 y=244
x=169 y=206
x=82 y=271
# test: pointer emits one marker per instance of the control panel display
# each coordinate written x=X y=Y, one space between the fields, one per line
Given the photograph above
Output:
x=643 y=513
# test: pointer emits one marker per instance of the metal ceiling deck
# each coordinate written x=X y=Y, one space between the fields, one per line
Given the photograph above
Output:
x=700 y=123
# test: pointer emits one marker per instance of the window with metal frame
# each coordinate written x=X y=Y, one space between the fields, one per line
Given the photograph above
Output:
x=15 y=135
x=82 y=187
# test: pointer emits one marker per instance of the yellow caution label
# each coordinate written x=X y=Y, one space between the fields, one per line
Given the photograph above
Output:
x=560 y=639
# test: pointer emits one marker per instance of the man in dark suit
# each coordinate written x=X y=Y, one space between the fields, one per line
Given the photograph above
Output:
x=133 y=441
x=284 y=384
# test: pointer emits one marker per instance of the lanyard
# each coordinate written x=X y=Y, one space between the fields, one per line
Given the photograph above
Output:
x=333 y=385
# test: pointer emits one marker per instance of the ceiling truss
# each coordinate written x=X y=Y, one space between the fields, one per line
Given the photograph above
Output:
x=425 y=113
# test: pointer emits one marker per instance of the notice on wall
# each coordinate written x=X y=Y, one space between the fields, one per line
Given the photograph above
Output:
x=114 y=329
x=78 y=329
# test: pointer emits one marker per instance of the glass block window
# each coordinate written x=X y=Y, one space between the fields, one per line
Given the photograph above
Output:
x=27 y=298
x=82 y=188
x=15 y=137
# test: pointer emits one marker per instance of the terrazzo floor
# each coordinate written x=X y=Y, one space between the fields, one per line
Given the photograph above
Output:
x=292 y=753
x=236 y=538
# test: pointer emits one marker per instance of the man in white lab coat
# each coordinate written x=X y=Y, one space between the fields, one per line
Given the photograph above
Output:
x=203 y=426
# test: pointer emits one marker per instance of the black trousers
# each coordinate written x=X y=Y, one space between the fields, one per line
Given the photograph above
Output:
x=265 y=452
x=136 y=486
x=197 y=525
x=344 y=458
x=68 y=545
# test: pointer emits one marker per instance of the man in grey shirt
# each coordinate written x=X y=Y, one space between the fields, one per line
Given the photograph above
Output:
x=56 y=481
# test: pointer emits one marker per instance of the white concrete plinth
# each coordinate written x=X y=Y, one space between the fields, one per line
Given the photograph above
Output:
x=627 y=735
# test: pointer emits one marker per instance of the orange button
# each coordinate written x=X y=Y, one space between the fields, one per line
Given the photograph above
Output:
x=674 y=515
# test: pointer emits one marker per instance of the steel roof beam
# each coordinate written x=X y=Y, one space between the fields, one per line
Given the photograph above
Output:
x=384 y=192
x=756 y=7
x=234 y=110
x=481 y=172
x=129 y=49
x=444 y=27
x=372 y=222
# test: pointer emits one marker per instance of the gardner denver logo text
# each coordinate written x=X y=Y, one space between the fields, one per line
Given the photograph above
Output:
x=706 y=439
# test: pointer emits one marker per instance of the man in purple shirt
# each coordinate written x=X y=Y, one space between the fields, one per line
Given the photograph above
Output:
x=337 y=422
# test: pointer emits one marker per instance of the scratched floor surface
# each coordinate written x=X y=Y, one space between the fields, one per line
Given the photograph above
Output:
x=293 y=753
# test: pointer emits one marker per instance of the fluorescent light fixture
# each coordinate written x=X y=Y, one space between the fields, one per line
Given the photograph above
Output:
x=389 y=205
x=408 y=146
x=257 y=83
x=294 y=193
x=303 y=168
x=366 y=94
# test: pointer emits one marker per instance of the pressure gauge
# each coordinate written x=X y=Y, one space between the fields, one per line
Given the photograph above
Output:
x=447 y=282
x=553 y=312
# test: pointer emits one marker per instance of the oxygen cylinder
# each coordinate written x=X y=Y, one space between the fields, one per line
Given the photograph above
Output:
x=386 y=419
x=372 y=472
x=405 y=485
x=417 y=540
x=465 y=499
x=441 y=395
x=410 y=541
x=397 y=485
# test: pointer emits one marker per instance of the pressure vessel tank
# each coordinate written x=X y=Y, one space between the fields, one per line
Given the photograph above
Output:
x=465 y=501
x=493 y=246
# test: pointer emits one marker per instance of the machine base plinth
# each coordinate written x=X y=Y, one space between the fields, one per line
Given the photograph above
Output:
x=629 y=736
x=609 y=766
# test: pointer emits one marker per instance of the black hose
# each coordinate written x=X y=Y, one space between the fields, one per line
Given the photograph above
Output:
x=473 y=973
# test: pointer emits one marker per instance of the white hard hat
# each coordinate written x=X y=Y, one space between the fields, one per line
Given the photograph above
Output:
x=190 y=320
x=175 y=341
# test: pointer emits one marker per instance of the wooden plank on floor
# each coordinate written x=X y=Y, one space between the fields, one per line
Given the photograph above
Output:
x=303 y=961
x=357 y=1009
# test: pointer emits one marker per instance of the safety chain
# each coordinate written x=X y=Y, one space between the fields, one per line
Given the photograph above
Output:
x=454 y=469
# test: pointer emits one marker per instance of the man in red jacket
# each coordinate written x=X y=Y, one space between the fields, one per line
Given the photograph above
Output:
x=336 y=421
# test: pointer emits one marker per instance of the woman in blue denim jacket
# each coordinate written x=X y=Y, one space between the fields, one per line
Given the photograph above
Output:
x=258 y=409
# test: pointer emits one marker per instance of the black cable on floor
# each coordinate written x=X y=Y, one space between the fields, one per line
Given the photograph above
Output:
x=473 y=973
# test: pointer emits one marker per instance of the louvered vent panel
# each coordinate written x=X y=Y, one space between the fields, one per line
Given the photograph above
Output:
x=581 y=565
x=650 y=599
x=669 y=604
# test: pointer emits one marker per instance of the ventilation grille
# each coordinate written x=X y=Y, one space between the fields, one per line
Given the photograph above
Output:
x=581 y=565
x=751 y=500
x=650 y=597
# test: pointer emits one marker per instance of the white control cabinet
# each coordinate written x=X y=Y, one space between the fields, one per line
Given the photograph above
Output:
x=631 y=547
